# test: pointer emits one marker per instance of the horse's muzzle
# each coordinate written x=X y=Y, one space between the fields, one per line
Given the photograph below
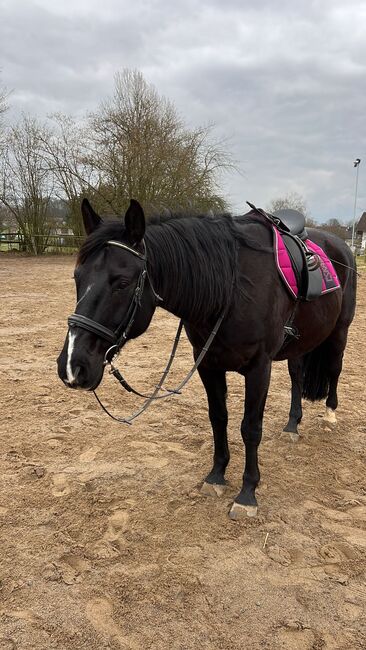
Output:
x=79 y=371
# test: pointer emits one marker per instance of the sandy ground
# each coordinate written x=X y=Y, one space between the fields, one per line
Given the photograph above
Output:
x=106 y=541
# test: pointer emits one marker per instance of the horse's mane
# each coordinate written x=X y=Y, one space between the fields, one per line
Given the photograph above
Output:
x=193 y=259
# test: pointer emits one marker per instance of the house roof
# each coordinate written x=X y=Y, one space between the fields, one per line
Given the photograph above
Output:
x=361 y=226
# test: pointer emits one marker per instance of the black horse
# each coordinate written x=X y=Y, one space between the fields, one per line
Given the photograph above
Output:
x=202 y=267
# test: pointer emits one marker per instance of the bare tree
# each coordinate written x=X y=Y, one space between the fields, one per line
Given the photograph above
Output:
x=3 y=108
x=25 y=188
x=336 y=227
x=135 y=145
x=141 y=148
x=292 y=200
x=3 y=103
x=66 y=154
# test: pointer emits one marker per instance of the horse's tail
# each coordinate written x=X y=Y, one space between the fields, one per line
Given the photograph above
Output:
x=316 y=373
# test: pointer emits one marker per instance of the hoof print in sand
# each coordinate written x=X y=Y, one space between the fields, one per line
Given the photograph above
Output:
x=113 y=540
x=61 y=487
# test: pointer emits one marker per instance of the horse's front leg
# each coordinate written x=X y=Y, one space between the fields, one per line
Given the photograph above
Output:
x=214 y=382
x=257 y=378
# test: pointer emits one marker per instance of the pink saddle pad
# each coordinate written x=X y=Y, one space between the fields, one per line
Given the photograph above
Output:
x=330 y=281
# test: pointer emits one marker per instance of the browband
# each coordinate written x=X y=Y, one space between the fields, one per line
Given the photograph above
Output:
x=127 y=248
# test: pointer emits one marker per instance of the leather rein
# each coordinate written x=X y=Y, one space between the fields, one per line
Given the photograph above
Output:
x=119 y=337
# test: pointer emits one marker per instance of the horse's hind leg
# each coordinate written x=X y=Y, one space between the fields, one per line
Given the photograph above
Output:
x=295 y=368
x=336 y=345
x=214 y=382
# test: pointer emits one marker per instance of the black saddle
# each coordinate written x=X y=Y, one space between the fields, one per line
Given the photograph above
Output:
x=305 y=263
x=294 y=221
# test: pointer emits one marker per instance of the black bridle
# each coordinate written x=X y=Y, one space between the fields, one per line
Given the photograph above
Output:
x=119 y=336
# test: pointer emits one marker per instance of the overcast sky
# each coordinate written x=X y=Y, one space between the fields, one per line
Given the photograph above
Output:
x=284 y=81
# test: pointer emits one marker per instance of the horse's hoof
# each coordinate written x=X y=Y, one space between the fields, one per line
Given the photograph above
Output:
x=290 y=428
x=238 y=511
x=213 y=489
x=329 y=418
x=294 y=437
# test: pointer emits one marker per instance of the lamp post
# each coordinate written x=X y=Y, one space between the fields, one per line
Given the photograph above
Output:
x=356 y=164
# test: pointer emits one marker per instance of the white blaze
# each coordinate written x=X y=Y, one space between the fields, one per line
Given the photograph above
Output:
x=71 y=342
x=83 y=296
x=70 y=348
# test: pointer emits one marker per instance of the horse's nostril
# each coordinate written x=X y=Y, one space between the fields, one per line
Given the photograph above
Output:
x=75 y=379
x=76 y=374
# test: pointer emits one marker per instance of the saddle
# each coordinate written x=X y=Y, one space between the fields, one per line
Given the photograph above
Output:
x=311 y=272
x=293 y=221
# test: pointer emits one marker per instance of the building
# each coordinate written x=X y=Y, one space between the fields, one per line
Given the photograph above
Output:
x=360 y=232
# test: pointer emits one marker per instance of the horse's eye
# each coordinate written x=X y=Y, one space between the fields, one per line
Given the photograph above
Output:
x=120 y=285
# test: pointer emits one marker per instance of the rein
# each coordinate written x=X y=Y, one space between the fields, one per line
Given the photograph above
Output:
x=169 y=391
x=119 y=337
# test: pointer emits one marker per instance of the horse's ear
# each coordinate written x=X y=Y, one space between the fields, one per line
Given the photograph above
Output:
x=135 y=222
x=90 y=218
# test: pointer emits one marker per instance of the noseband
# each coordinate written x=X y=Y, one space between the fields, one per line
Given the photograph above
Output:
x=117 y=337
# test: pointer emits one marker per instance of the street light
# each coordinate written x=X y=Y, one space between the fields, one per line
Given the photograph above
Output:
x=356 y=164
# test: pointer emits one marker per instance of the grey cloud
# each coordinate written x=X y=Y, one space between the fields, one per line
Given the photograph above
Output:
x=285 y=82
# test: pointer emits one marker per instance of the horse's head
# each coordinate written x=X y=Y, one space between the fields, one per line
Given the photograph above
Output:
x=115 y=300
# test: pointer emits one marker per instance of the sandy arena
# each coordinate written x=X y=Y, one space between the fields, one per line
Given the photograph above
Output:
x=106 y=541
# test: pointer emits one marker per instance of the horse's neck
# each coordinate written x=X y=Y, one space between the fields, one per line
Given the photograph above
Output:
x=169 y=287
x=194 y=278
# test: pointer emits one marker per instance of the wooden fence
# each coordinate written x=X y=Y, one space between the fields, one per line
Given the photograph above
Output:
x=52 y=243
